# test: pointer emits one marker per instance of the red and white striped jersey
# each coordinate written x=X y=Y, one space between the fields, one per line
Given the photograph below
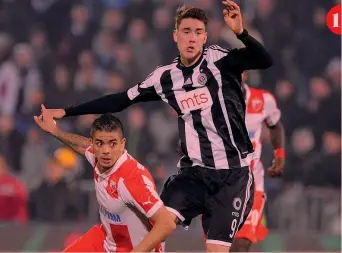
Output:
x=261 y=108
x=127 y=198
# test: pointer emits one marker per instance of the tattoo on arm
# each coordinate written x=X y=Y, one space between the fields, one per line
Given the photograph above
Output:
x=277 y=136
x=76 y=142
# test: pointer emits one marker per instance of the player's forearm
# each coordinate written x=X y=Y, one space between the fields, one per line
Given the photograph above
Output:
x=157 y=235
x=76 y=142
x=110 y=103
x=277 y=135
x=255 y=55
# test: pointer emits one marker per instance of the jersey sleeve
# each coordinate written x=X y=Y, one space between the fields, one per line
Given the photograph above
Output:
x=145 y=91
x=140 y=191
x=252 y=56
x=272 y=112
x=89 y=154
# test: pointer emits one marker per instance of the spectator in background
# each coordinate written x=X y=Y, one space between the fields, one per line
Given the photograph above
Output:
x=302 y=149
x=33 y=159
x=138 y=137
x=13 y=196
x=89 y=74
x=41 y=52
x=163 y=30
x=126 y=64
x=11 y=142
x=143 y=47
x=116 y=82
x=81 y=29
x=9 y=79
x=103 y=46
x=325 y=170
x=133 y=11
x=164 y=141
x=285 y=92
x=27 y=96
x=60 y=91
x=113 y=22
x=53 y=200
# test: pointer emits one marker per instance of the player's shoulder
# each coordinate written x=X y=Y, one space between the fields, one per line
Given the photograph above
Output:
x=160 y=69
x=216 y=52
x=132 y=169
x=218 y=48
x=90 y=155
x=261 y=92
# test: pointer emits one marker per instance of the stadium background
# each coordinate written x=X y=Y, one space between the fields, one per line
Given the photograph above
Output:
x=67 y=51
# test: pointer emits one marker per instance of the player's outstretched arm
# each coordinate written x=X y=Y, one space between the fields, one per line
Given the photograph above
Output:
x=142 y=92
x=254 y=55
x=163 y=226
x=76 y=142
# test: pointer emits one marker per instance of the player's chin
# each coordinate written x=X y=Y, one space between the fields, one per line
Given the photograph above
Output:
x=106 y=164
x=191 y=55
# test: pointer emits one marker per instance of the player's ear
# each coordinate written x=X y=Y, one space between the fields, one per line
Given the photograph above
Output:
x=175 y=35
x=91 y=142
x=205 y=38
x=123 y=143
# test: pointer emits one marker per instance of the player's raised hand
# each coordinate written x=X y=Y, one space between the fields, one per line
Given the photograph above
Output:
x=45 y=121
x=56 y=113
x=277 y=167
x=232 y=16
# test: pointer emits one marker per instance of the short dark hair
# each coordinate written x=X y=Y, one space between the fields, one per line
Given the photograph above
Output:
x=107 y=123
x=187 y=11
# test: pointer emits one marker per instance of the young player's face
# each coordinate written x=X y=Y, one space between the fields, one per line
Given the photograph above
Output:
x=108 y=147
x=190 y=38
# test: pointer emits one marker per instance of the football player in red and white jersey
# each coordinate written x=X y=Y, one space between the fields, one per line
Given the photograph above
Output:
x=133 y=217
x=261 y=108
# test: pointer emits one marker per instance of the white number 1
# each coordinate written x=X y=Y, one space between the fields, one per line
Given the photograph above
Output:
x=336 y=23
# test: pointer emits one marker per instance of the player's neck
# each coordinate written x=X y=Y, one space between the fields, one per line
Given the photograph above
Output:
x=186 y=62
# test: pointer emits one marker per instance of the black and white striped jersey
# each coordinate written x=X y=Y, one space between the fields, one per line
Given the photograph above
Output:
x=209 y=101
x=208 y=98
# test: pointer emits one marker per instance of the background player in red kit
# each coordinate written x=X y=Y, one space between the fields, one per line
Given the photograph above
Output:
x=125 y=191
x=261 y=108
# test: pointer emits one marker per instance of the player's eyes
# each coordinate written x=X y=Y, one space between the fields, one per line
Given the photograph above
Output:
x=99 y=144
x=113 y=144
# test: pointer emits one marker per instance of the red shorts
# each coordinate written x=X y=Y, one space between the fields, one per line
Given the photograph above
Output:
x=253 y=229
x=91 y=241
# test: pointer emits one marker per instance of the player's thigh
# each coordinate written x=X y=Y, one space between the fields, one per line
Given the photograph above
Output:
x=228 y=209
x=250 y=230
x=183 y=195
x=91 y=241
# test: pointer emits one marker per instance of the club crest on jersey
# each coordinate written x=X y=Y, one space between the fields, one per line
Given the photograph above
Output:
x=112 y=188
x=256 y=105
x=202 y=79
x=237 y=203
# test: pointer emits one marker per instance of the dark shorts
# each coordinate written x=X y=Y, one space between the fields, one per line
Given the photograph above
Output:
x=224 y=197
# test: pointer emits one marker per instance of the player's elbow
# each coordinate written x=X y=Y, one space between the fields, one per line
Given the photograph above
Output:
x=164 y=221
x=266 y=61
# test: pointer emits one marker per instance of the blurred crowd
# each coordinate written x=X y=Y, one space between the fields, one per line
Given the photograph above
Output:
x=64 y=52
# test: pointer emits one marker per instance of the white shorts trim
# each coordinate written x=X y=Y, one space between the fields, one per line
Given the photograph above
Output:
x=175 y=212
x=222 y=243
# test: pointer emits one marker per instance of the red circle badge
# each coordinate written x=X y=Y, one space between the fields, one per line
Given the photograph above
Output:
x=333 y=19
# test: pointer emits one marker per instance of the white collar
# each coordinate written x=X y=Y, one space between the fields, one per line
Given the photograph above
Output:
x=115 y=167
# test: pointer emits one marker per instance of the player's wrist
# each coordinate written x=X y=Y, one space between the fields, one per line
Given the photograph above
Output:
x=279 y=153
x=242 y=33
x=239 y=32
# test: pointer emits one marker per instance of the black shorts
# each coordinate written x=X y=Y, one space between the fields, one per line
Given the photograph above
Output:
x=224 y=197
